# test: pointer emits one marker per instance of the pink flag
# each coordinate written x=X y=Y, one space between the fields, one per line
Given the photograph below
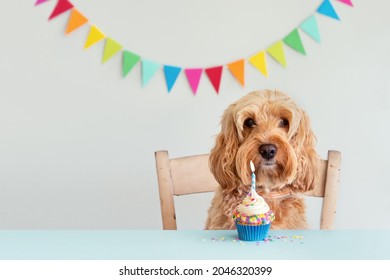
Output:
x=40 y=2
x=348 y=2
x=193 y=77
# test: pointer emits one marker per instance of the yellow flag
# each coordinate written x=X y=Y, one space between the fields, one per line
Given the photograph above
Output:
x=259 y=62
x=94 y=36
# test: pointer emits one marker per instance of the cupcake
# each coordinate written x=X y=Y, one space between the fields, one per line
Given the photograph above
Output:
x=253 y=217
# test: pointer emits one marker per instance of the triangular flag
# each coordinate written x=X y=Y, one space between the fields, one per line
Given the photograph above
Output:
x=327 y=9
x=61 y=7
x=237 y=69
x=277 y=52
x=311 y=28
x=76 y=19
x=40 y=2
x=348 y=2
x=129 y=60
x=94 y=36
x=259 y=62
x=215 y=75
x=171 y=74
x=193 y=77
x=294 y=41
x=111 y=47
x=149 y=68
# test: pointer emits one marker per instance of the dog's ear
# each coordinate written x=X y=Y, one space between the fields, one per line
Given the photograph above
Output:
x=222 y=156
x=304 y=144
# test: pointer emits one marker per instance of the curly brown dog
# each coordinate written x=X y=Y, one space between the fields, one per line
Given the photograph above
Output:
x=268 y=128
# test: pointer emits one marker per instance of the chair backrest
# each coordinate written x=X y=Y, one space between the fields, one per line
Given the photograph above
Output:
x=191 y=174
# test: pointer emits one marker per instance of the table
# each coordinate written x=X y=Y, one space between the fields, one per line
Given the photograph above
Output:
x=192 y=245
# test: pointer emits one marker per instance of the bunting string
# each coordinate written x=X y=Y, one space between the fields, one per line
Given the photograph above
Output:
x=214 y=74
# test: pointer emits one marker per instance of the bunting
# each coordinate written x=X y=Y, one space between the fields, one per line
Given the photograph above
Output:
x=40 y=2
x=149 y=68
x=193 y=77
x=311 y=28
x=76 y=20
x=237 y=69
x=94 y=36
x=259 y=62
x=61 y=7
x=129 y=61
x=277 y=52
x=347 y=2
x=110 y=49
x=294 y=41
x=327 y=9
x=215 y=75
x=171 y=74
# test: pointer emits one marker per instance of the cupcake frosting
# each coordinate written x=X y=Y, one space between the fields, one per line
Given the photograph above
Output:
x=253 y=204
x=253 y=210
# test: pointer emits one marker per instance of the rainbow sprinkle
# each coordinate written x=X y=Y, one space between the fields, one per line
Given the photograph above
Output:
x=270 y=239
x=258 y=219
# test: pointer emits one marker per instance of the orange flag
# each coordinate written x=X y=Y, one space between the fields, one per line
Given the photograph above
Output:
x=237 y=69
x=76 y=20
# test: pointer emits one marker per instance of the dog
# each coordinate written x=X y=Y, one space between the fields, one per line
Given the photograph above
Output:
x=269 y=129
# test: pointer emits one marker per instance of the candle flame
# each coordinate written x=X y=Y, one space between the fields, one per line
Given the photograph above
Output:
x=252 y=166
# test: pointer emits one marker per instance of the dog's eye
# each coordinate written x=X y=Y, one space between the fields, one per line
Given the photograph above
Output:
x=249 y=123
x=283 y=122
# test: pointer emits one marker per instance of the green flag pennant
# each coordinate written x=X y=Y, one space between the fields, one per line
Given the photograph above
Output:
x=129 y=60
x=110 y=49
x=276 y=52
x=149 y=68
x=294 y=41
x=310 y=26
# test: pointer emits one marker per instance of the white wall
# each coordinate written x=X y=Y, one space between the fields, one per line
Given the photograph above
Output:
x=77 y=140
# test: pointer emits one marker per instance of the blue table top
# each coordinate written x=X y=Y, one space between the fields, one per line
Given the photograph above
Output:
x=192 y=244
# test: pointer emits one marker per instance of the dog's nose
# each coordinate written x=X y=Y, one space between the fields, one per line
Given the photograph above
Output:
x=268 y=151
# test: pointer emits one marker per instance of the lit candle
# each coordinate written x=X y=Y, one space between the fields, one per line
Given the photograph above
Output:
x=253 y=176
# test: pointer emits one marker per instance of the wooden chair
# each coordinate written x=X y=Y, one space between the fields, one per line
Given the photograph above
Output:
x=191 y=174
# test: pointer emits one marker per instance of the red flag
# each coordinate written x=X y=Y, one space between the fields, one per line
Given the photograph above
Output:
x=61 y=7
x=215 y=75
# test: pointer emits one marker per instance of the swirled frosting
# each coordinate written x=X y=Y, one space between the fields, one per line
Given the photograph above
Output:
x=253 y=210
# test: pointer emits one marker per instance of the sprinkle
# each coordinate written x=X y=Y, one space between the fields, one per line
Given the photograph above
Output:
x=297 y=237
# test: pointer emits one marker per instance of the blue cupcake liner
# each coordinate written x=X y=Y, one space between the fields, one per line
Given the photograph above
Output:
x=252 y=232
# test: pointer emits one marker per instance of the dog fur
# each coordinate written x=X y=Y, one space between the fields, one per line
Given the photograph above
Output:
x=267 y=117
